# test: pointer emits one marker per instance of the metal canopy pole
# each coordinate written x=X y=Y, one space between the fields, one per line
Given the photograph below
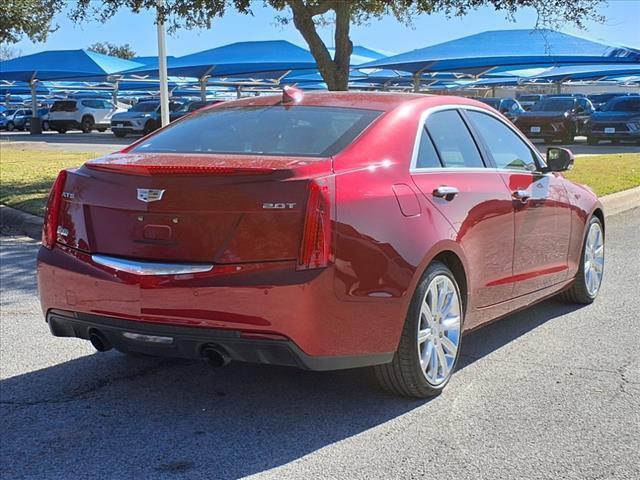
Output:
x=203 y=88
x=162 y=68
x=34 y=128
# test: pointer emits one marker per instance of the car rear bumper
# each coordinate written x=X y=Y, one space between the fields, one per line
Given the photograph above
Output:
x=296 y=313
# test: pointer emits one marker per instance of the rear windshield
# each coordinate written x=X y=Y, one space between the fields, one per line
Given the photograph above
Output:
x=272 y=130
x=558 y=104
x=623 y=104
x=144 y=107
x=64 y=106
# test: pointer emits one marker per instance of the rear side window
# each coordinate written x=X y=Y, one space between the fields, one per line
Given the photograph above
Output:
x=263 y=130
x=453 y=141
x=64 y=106
x=506 y=147
x=427 y=155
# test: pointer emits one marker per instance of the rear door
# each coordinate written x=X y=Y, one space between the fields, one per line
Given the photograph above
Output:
x=450 y=171
x=539 y=202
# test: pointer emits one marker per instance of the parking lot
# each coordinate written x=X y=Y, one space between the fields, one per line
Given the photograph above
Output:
x=551 y=392
x=106 y=142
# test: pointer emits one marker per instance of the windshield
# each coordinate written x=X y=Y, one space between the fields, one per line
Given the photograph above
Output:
x=263 y=130
x=624 y=104
x=602 y=97
x=9 y=112
x=529 y=98
x=558 y=104
x=144 y=107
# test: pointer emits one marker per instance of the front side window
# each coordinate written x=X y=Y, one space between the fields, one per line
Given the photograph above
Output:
x=263 y=130
x=453 y=141
x=506 y=147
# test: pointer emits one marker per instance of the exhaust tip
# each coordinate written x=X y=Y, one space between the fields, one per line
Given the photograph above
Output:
x=99 y=341
x=215 y=356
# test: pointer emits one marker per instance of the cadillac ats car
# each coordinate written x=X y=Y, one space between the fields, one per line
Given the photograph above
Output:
x=323 y=231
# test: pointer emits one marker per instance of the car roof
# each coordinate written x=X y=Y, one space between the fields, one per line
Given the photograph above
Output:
x=383 y=101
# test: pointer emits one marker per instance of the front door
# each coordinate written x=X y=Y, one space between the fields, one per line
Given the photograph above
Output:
x=539 y=203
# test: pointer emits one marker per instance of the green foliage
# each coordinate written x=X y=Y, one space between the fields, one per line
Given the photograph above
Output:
x=27 y=17
x=121 y=51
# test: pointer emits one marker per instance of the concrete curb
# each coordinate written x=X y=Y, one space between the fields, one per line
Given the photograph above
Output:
x=621 y=201
x=22 y=222
x=31 y=225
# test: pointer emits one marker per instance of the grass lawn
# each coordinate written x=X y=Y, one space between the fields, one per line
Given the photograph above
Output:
x=26 y=175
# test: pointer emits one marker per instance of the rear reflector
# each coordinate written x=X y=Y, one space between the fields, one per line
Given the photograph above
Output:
x=316 y=236
x=137 y=169
x=52 y=212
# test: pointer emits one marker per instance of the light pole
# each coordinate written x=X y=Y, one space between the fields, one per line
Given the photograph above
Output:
x=162 y=69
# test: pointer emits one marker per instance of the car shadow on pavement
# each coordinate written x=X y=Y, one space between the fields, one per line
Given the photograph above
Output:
x=113 y=416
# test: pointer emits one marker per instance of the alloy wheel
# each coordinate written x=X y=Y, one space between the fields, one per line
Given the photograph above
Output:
x=593 y=259
x=439 y=329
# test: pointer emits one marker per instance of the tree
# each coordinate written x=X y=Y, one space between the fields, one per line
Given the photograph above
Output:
x=7 y=52
x=27 y=17
x=121 y=51
x=308 y=15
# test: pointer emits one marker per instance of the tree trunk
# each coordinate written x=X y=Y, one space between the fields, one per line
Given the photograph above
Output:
x=335 y=73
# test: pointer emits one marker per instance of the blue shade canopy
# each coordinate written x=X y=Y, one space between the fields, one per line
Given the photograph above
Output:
x=150 y=61
x=63 y=65
x=483 y=51
x=588 y=72
x=240 y=58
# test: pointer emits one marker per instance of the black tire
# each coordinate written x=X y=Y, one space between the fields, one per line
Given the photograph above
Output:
x=120 y=134
x=615 y=142
x=578 y=292
x=548 y=141
x=149 y=127
x=102 y=130
x=592 y=141
x=61 y=130
x=404 y=375
x=11 y=126
x=45 y=125
x=87 y=124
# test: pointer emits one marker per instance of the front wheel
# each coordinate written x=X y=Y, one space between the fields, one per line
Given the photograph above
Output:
x=430 y=343
x=10 y=126
x=87 y=125
x=589 y=277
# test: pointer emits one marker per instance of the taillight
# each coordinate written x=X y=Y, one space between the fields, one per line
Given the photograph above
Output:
x=316 y=236
x=52 y=212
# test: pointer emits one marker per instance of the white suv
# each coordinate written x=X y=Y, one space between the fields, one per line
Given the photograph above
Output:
x=84 y=114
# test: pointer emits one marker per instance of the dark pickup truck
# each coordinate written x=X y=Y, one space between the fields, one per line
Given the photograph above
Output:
x=556 y=118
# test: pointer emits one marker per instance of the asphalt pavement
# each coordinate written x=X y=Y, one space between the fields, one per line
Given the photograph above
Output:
x=549 y=393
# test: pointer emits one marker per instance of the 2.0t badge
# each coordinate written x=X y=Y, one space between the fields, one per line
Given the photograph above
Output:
x=150 y=194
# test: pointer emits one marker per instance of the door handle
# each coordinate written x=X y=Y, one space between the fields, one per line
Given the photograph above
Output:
x=446 y=192
x=521 y=195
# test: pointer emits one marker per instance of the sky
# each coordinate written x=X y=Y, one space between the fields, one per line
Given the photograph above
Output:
x=139 y=31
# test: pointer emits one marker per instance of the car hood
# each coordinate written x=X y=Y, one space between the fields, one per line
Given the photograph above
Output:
x=132 y=115
x=614 y=116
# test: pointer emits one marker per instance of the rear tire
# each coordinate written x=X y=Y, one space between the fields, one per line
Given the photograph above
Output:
x=421 y=366
x=584 y=291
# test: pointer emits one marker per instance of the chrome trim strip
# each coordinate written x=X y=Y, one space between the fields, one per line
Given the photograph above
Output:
x=150 y=268
x=452 y=106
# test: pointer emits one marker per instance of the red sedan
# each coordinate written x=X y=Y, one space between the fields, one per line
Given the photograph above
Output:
x=324 y=231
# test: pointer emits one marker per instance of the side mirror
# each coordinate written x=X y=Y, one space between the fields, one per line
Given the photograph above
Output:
x=559 y=159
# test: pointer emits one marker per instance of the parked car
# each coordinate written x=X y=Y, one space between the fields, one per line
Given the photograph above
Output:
x=190 y=107
x=509 y=107
x=529 y=100
x=17 y=120
x=5 y=117
x=320 y=230
x=599 y=100
x=556 y=118
x=84 y=114
x=43 y=115
x=143 y=118
x=619 y=120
